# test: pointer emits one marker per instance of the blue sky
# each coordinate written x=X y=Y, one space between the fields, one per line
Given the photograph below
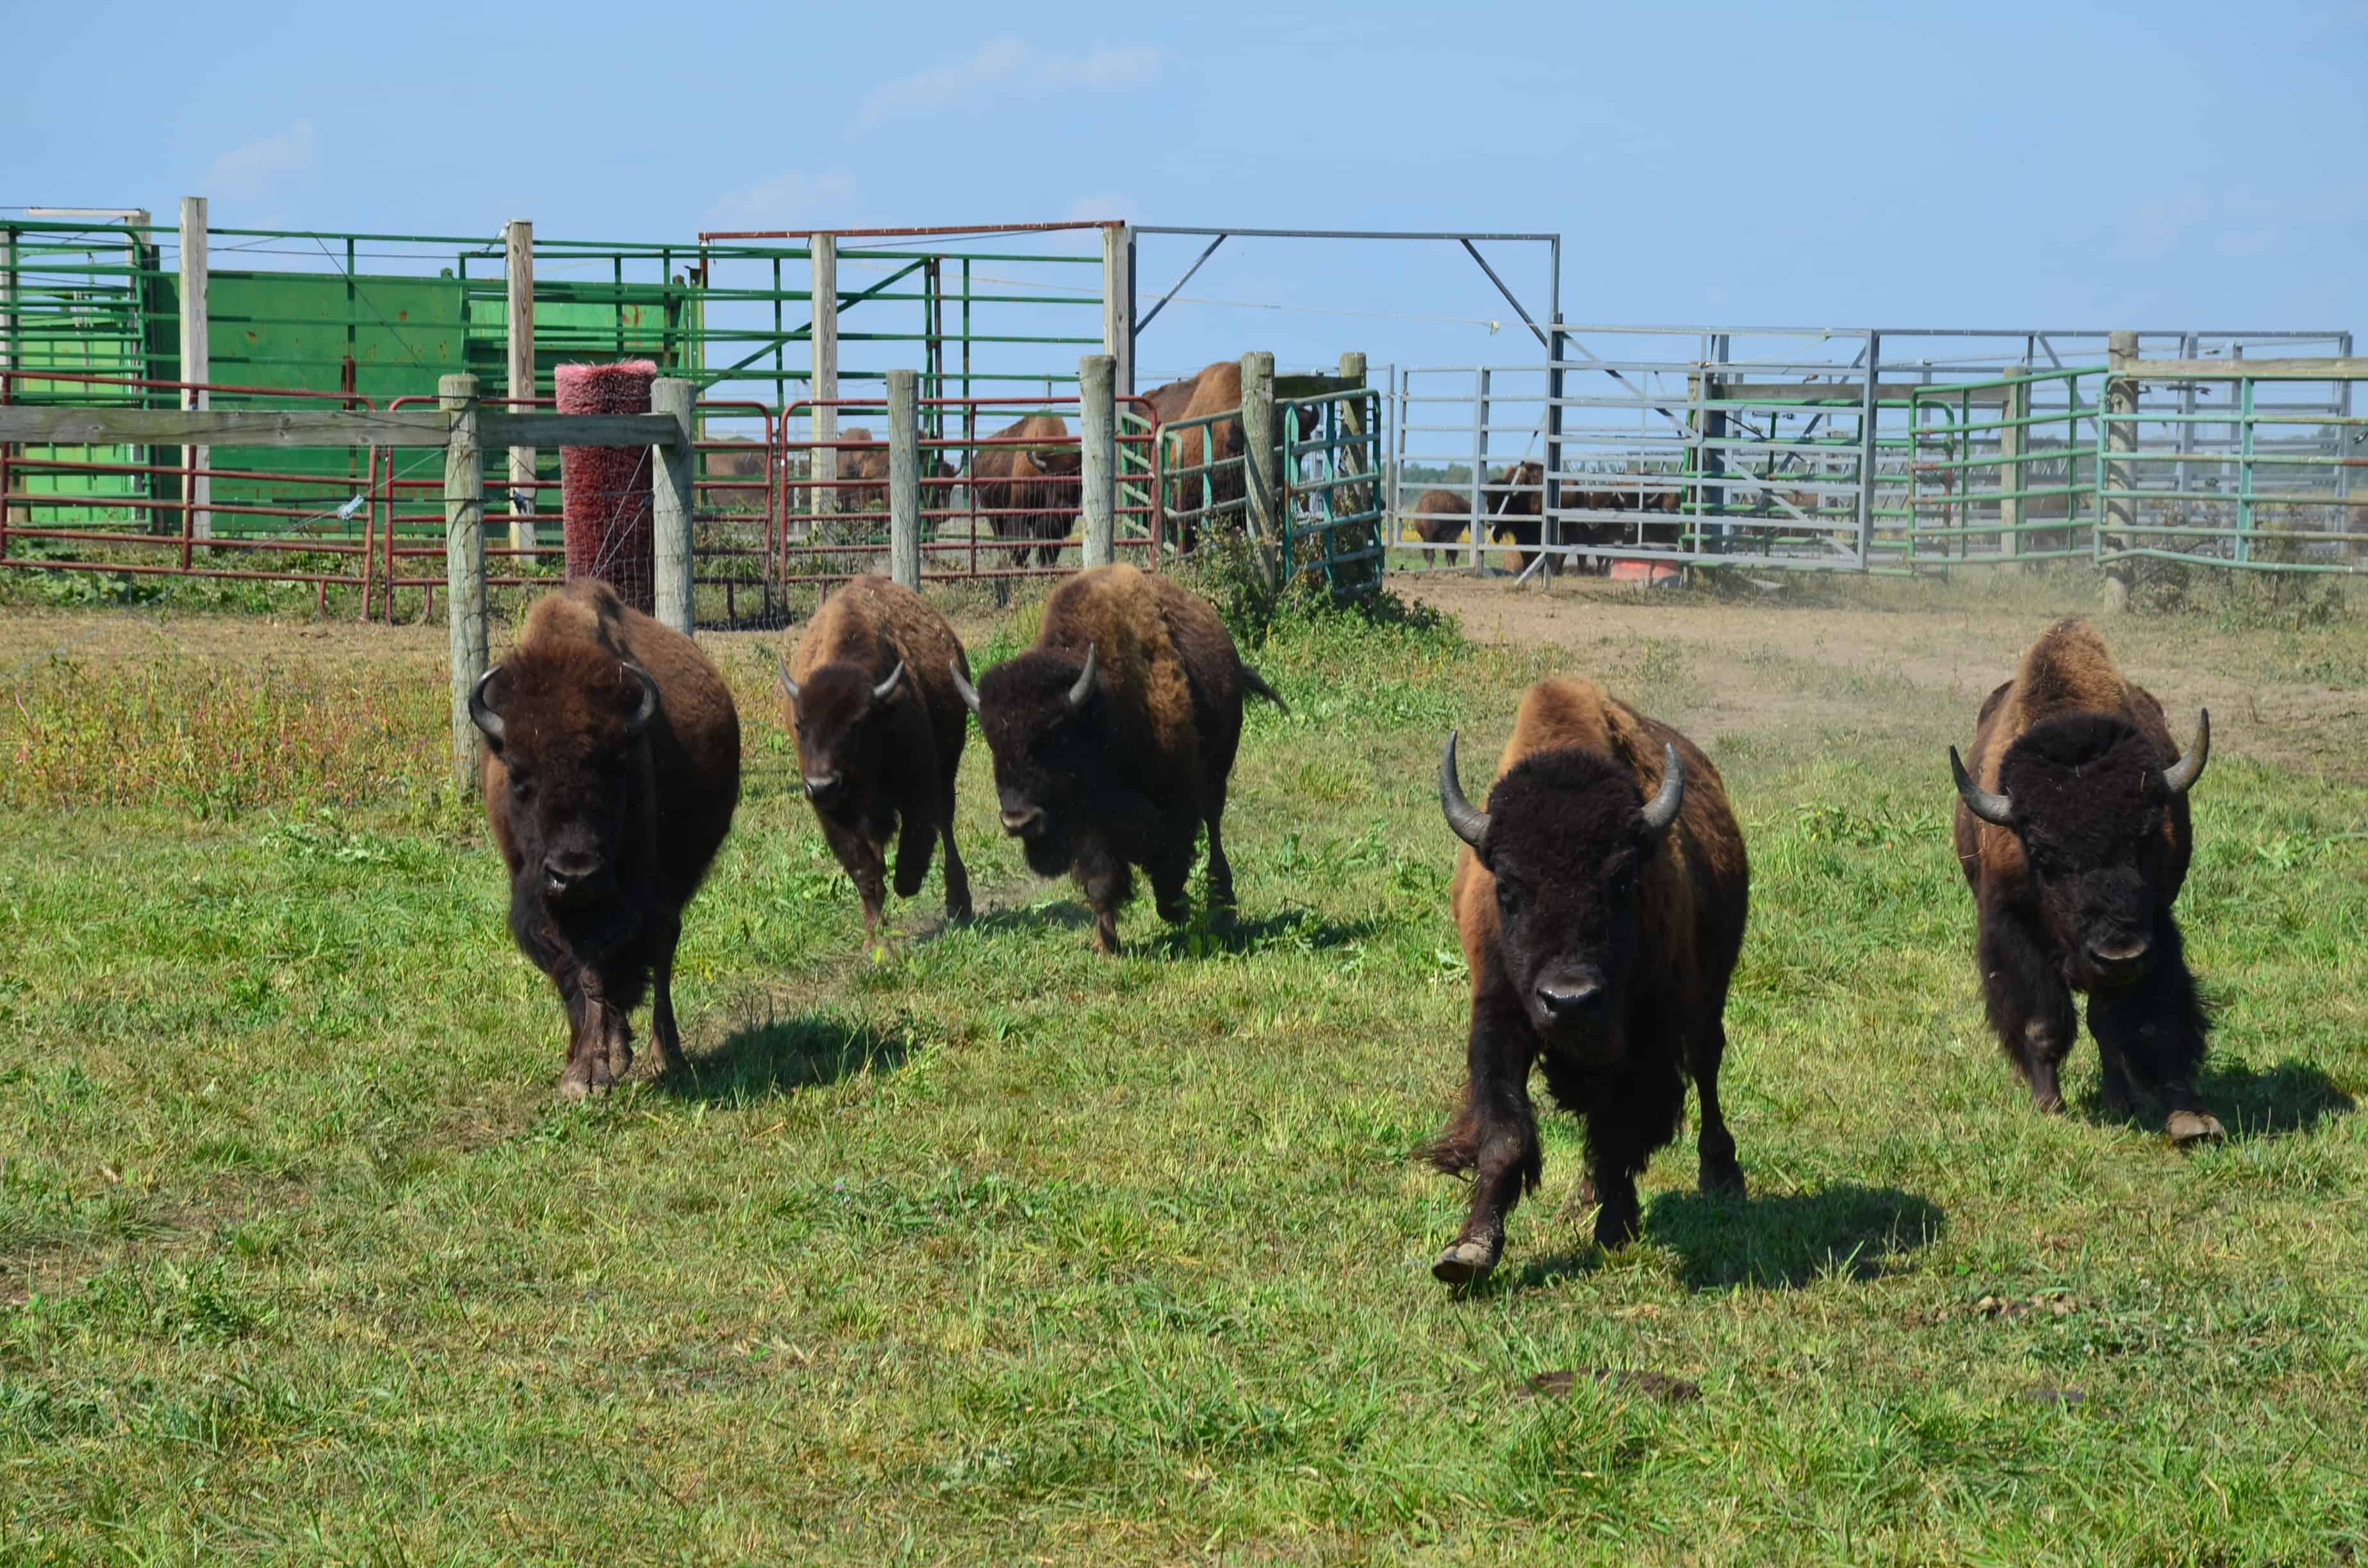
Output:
x=2064 y=164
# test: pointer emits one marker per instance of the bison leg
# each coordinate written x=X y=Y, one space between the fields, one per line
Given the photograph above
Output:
x=861 y=861
x=1719 y=1172
x=1107 y=884
x=2158 y=1026
x=663 y=1028
x=913 y=844
x=2029 y=1004
x=585 y=1024
x=957 y=906
x=1494 y=1135
x=1220 y=871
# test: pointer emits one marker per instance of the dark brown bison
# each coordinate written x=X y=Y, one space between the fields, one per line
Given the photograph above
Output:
x=1030 y=492
x=1113 y=738
x=1601 y=903
x=1510 y=496
x=611 y=771
x=2072 y=829
x=870 y=696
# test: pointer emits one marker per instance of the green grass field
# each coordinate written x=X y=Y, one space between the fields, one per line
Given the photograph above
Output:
x=985 y=1249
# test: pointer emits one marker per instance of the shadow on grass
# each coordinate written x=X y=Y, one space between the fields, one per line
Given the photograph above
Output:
x=1772 y=1243
x=1785 y=1242
x=1065 y=914
x=782 y=1056
x=2271 y=1102
x=1290 y=931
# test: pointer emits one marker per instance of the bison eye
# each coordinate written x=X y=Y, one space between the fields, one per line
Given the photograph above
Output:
x=1508 y=897
x=521 y=787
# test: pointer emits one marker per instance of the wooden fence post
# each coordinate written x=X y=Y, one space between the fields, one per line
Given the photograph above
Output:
x=196 y=362
x=464 y=564
x=1118 y=302
x=1097 y=466
x=1352 y=458
x=517 y=246
x=821 y=459
x=673 y=506
x=2121 y=513
x=904 y=478
x=1261 y=463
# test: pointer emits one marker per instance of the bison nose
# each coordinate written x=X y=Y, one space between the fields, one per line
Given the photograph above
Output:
x=2119 y=957
x=1026 y=822
x=1567 y=1001
x=569 y=870
x=823 y=786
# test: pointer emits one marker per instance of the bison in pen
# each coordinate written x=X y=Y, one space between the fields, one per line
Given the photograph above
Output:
x=879 y=728
x=1601 y=899
x=612 y=772
x=2072 y=828
x=1113 y=738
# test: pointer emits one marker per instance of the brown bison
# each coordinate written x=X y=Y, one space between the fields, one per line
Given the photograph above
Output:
x=1215 y=389
x=2072 y=829
x=1511 y=495
x=1030 y=492
x=1113 y=738
x=611 y=771
x=1601 y=903
x=870 y=696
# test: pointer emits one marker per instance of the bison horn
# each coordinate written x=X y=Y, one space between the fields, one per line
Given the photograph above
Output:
x=649 y=706
x=962 y=684
x=2180 y=775
x=887 y=688
x=1992 y=808
x=1468 y=820
x=787 y=684
x=1662 y=809
x=481 y=712
x=1085 y=686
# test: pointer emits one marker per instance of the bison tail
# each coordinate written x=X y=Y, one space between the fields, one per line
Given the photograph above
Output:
x=1255 y=685
x=1456 y=1150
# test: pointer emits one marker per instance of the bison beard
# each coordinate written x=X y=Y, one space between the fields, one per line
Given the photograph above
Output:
x=611 y=771
x=1114 y=736
x=2074 y=846
x=1601 y=925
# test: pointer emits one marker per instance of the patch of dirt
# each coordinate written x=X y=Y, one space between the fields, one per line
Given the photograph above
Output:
x=1940 y=650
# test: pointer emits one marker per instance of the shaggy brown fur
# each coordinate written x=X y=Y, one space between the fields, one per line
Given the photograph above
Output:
x=1647 y=928
x=880 y=768
x=2079 y=749
x=1130 y=777
x=1029 y=493
x=606 y=830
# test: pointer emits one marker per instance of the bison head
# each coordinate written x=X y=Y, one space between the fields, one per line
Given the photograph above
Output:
x=566 y=729
x=1055 y=462
x=2086 y=796
x=1566 y=836
x=1043 y=713
x=838 y=714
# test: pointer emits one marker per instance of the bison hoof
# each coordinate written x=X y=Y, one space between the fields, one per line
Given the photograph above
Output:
x=1467 y=1263
x=2191 y=1127
x=574 y=1088
x=1722 y=1180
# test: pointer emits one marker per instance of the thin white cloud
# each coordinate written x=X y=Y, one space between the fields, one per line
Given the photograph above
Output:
x=261 y=168
x=795 y=199
x=1005 y=69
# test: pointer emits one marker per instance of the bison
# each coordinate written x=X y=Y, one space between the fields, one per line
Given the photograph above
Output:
x=1113 y=738
x=870 y=696
x=2072 y=830
x=1030 y=492
x=1214 y=389
x=611 y=771
x=1600 y=900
